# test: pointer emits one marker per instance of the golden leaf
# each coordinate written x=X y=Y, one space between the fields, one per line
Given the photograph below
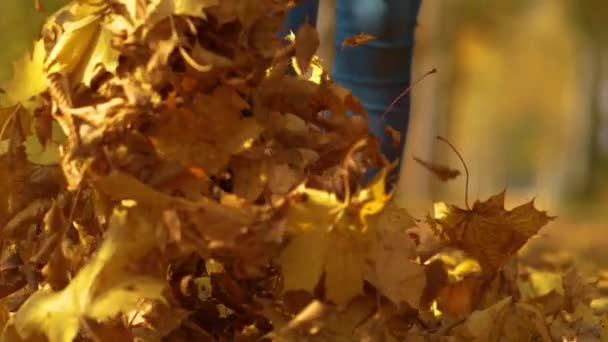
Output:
x=327 y=239
x=28 y=79
x=102 y=288
x=485 y=325
x=332 y=239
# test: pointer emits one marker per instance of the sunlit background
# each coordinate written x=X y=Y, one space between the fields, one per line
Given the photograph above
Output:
x=522 y=92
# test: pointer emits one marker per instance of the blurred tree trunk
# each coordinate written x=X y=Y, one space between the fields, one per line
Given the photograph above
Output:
x=597 y=161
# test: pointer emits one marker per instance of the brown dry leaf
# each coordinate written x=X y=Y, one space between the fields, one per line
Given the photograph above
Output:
x=122 y=186
x=392 y=269
x=489 y=232
x=577 y=290
x=109 y=331
x=458 y=300
x=57 y=270
x=217 y=116
x=395 y=275
x=193 y=7
x=188 y=151
x=33 y=212
x=444 y=173
x=358 y=39
x=394 y=135
x=485 y=325
x=307 y=43
x=282 y=178
x=249 y=178
x=341 y=100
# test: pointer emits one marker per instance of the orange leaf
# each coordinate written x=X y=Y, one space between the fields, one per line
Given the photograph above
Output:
x=358 y=39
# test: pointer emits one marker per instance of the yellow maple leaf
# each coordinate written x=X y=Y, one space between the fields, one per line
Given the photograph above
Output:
x=103 y=288
x=28 y=78
x=327 y=239
x=332 y=239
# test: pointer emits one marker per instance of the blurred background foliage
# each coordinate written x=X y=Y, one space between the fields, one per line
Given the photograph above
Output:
x=522 y=91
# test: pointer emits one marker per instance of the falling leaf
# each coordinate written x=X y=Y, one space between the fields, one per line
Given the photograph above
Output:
x=489 y=232
x=103 y=288
x=39 y=6
x=345 y=266
x=394 y=135
x=307 y=43
x=442 y=172
x=250 y=178
x=206 y=192
x=327 y=240
x=358 y=39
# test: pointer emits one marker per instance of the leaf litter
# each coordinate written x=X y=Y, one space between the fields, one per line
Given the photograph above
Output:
x=165 y=176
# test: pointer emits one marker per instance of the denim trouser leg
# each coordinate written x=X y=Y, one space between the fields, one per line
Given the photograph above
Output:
x=307 y=10
x=378 y=71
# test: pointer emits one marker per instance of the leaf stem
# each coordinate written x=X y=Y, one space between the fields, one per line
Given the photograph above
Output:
x=466 y=170
x=403 y=93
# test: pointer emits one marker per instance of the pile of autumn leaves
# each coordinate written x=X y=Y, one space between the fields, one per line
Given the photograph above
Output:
x=173 y=169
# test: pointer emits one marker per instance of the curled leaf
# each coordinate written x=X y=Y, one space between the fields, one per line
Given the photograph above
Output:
x=444 y=173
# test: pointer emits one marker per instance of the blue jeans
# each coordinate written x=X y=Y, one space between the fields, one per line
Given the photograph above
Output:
x=378 y=71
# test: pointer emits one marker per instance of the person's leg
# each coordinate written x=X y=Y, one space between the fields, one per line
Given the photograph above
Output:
x=378 y=71
x=307 y=10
